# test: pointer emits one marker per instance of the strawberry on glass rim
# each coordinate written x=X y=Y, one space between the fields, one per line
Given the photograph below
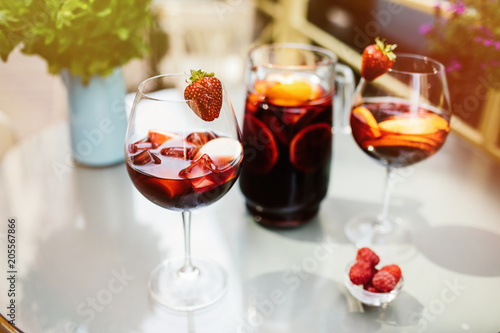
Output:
x=205 y=90
x=377 y=59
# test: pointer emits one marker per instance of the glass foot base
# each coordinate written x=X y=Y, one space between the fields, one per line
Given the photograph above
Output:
x=364 y=230
x=187 y=291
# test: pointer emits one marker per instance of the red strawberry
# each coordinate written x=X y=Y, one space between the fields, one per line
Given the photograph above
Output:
x=384 y=281
x=361 y=273
x=367 y=255
x=205 y=90
x=377 y=59
x=394 y=270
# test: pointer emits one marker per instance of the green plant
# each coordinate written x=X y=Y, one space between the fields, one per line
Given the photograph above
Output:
x=465 y=36
x=87 y=37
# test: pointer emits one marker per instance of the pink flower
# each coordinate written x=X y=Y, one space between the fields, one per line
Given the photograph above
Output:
x=425 y=28
x=497 y=45
x=458 y=7
x=488 y=42
x=453 y=66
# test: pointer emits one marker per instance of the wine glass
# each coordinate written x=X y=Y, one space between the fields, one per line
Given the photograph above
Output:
x=399 y=119
x=181 y=162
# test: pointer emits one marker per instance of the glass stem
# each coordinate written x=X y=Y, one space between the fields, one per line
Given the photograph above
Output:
x=187 y=270
x=382 y=225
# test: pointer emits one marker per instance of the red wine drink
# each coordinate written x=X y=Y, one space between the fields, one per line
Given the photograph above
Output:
x=288 y=152
x=287 y=132
x=389 y=131
x=183 y=173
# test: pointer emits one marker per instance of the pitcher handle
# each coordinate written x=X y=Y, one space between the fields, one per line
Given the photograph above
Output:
x=344 y=82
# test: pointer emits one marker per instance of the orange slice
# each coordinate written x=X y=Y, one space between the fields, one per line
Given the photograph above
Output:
x=261 y=86
x=406 y=125
x=252 y=102
x=365 y=116
x=158 y=137
x=317 y=92
x=166 y=189
x=395 y=141
x=438 y=121
x=411 y=138
x=311 y=148
x=290 y=94
x=261 y=150
x=433 y=118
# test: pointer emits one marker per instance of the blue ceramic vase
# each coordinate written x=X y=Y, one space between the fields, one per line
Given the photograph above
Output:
x=97 y=118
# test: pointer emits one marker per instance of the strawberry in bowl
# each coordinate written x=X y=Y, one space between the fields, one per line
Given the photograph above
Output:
x=372 y=283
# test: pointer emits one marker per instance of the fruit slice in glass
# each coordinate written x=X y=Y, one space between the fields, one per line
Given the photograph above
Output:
x=295 y=93
x=311 y=147
x=257 y=132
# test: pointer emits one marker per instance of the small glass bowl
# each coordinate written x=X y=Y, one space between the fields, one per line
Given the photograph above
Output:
x=368 y=297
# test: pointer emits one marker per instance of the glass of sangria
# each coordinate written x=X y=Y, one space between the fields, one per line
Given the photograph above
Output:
x=399 y=119
x=287 y=131
x=181 y=162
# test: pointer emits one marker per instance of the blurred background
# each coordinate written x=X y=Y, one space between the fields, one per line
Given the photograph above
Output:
x=216 y=35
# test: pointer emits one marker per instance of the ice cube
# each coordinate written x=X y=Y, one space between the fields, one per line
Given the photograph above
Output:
x=145 y=157
x=156 y=159
x=140 y=145
x=180 y=152
x=202 y=173
x=199 y=167
x=223 y=152
x=200 y=138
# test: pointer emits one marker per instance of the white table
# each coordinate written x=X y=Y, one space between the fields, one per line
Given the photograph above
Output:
x=87 y=241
